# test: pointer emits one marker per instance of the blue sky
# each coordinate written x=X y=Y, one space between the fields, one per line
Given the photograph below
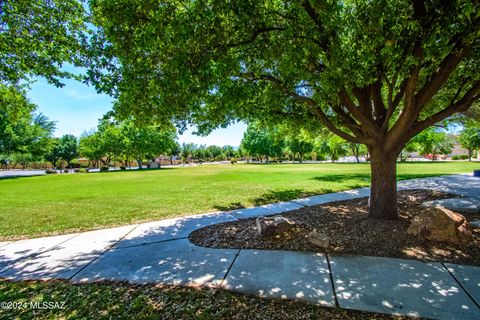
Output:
x=77 y=107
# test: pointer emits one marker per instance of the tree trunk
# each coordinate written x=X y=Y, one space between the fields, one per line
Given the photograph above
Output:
x=469 y=154
x=383 y=193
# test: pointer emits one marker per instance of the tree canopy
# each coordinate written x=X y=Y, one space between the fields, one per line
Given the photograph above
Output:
x=37 y=37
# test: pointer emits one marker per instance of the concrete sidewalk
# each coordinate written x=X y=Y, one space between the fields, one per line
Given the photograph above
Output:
x=160 y=252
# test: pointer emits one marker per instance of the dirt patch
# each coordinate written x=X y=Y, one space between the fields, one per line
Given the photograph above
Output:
x=350 y=231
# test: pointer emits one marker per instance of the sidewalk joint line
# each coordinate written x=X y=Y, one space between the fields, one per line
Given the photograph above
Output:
x=461 y=286
x=102 y=253
x=230 y=268
x=146 y=243
x=332 y=281
x=301 y=204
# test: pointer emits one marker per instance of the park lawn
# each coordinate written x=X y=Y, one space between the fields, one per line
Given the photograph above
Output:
x=53 y=204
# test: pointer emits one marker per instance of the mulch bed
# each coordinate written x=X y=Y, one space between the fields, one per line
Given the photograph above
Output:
x=350 y=232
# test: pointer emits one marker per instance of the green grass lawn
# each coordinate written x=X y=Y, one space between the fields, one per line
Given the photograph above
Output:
x=35 y=206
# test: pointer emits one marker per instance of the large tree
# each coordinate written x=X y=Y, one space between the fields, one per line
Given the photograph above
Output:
x=372 y=72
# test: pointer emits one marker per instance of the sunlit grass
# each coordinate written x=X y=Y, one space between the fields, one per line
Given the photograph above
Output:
x=34 y=206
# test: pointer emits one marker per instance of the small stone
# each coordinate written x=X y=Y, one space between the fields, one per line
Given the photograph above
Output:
x=440 y=224
x=319 y=239
x=268 y=226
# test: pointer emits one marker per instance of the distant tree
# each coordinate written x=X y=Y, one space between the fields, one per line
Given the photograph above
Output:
x=174 y=151
x=90 y=147
x=469 y=139
x=229 y=152
x=147 y=142
x=357 y=150
x=259 y=141
x=54 y=153
x=214 y=151
x=187 y=151
x=333 y=146
x=113 y=141
x=299 y=144
x=24 y=134
x=68 y=148
x=433 y=142
x=200 y=153
x=410 y=147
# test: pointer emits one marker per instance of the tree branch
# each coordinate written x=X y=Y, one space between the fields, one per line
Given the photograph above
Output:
x=312 y=104
x=254 y=36
x=461 y=105
x=367 y=123
x=378 y=104
x=438 y=79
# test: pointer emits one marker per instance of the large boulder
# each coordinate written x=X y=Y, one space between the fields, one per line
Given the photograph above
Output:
x=440 y=224
x=268 y=226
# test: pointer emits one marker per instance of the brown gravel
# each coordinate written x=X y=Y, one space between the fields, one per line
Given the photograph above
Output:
x=350 y=231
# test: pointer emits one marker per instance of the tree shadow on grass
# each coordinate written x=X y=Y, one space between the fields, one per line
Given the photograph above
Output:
x=231 y=206
x=341 y=178
x=350 y=181
x=131 y=170
x=284 y=195
x=273 y=196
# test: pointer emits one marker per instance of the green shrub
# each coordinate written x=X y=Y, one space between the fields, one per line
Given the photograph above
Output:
x=103 y=169
x=123 y=168
x=233 y=161
x=50 y=171
x=460 y=157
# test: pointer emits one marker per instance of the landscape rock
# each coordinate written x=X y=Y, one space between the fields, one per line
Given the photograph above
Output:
x=319 y=239
x=440 y=224
x=268 y=226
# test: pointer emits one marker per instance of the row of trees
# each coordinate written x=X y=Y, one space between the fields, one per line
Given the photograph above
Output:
x=286 y=143
x=201 y=153
x=26 y=137
x=126 y=141
x=263 y=142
